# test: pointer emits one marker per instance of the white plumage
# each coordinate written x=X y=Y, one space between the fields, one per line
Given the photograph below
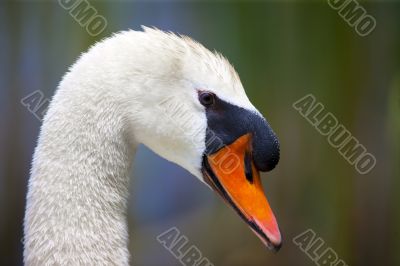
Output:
x=104 y=106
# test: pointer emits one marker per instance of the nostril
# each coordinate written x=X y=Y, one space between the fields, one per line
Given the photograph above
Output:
x=247 y=167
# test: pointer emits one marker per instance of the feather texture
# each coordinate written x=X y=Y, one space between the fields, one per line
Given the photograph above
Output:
x=110 y=100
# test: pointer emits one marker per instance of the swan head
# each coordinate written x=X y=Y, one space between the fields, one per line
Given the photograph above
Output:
x=188 y=105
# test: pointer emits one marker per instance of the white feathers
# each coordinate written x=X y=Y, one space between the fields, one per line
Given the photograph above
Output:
x=134 y=87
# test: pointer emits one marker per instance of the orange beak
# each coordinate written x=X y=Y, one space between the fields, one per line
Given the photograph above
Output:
x=231 y=172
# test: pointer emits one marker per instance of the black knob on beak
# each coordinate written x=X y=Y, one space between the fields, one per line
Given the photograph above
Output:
x=265 y=145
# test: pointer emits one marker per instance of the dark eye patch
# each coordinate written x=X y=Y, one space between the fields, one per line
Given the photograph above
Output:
x=227 y=122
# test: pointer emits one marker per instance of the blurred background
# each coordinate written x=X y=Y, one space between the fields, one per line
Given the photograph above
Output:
x=282 y=50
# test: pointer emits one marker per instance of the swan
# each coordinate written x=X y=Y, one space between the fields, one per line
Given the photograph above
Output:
x=134 y=87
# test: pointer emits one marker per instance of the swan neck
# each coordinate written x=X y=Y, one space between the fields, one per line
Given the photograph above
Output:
x=78 y=188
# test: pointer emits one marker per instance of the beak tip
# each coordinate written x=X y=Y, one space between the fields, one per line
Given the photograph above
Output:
x=271 y=238
x=272 y=245
x=276 y=247
x=275 y=243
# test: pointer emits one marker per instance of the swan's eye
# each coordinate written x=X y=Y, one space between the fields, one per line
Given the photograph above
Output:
x=207 y=98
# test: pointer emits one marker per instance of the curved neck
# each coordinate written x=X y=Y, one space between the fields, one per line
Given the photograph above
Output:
x=78 y=188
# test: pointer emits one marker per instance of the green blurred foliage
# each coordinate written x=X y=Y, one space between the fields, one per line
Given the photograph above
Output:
x=282 y=51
